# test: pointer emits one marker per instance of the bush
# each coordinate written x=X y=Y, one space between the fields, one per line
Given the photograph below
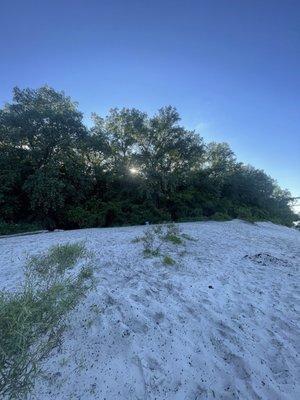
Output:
x=218 y=216
x=152 y=241
x=33 y=319
x=139 y=214
x=156 y=237
x=192 y=219
x=172 y=234
x=244 y=213
x=10 y=229
x=79 y=217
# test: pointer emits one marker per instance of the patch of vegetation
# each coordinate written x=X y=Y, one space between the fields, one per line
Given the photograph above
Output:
x=155 y=236
x=174 y=239
x=172 y=234
x=218 y=216
x=33 y=319
x=151 y=240
x=11 y=228
x=56 y=261
x=167 y=260
x=160 y=237
x=148 y=253
x=119 y=171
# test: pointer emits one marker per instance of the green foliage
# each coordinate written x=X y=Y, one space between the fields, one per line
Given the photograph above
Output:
x=174 y=239
x=128 y=168
x=42 y=140
x=155 y=237
x=81 y=217
x=167 y=260
x=218 y=216
x=173 y=234
x=10 y=229
x=46 y=191
x=162 y=240
x=139 y=214
x=57 y=260
x=32 y=320
x=244 y=213
x=151 y=241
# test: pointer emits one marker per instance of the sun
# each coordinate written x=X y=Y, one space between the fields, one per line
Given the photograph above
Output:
x=133 y=170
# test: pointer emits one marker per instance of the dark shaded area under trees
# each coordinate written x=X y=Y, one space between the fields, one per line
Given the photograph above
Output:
x=127 y=169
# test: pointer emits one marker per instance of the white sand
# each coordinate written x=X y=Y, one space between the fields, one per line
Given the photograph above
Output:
x=161 y=332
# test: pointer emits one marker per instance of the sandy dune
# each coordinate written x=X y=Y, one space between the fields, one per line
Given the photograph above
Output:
x=223 y=323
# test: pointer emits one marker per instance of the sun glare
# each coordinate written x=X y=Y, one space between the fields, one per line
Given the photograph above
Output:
x=133 y=170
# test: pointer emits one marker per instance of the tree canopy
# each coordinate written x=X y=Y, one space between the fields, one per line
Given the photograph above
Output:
x=127 y=168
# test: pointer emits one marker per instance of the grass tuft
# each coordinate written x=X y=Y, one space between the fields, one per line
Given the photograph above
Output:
x=167 y=260
x=32 y=320
x=156 y=237
x=58 y=259
x=173 y=239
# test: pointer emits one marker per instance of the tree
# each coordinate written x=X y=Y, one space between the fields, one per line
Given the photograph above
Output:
x=45 y=129
x=127 y=168
x=168 y=153
x=115 y=138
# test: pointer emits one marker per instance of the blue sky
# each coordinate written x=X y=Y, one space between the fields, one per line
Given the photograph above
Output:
x=231 y=67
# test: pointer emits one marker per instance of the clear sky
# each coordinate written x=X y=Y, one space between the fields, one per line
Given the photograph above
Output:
x=231 y=67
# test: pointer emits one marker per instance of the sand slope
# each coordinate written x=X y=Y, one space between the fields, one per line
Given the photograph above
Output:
x=151 y=331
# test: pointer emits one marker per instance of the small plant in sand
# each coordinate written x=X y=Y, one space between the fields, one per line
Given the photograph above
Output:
x=167 y=260
x=173 y=234
x=152 y=241
x=50 y=267
x=156 y=238
x=33 y=319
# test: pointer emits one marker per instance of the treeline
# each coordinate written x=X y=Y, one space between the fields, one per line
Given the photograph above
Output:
x=127 y=168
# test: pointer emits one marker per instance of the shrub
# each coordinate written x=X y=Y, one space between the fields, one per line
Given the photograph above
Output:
x=152 y=241
x=139 y=214
x=172 y=234
x=32 y=320
x=167 y=260
x=218 y=216
x=156 y=237
x=79 y=217
x=10 y=229
x=244 y=213
x=114 y=214
x=192 y=219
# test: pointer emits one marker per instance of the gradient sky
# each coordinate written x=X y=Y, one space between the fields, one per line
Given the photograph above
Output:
x=231 y=67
